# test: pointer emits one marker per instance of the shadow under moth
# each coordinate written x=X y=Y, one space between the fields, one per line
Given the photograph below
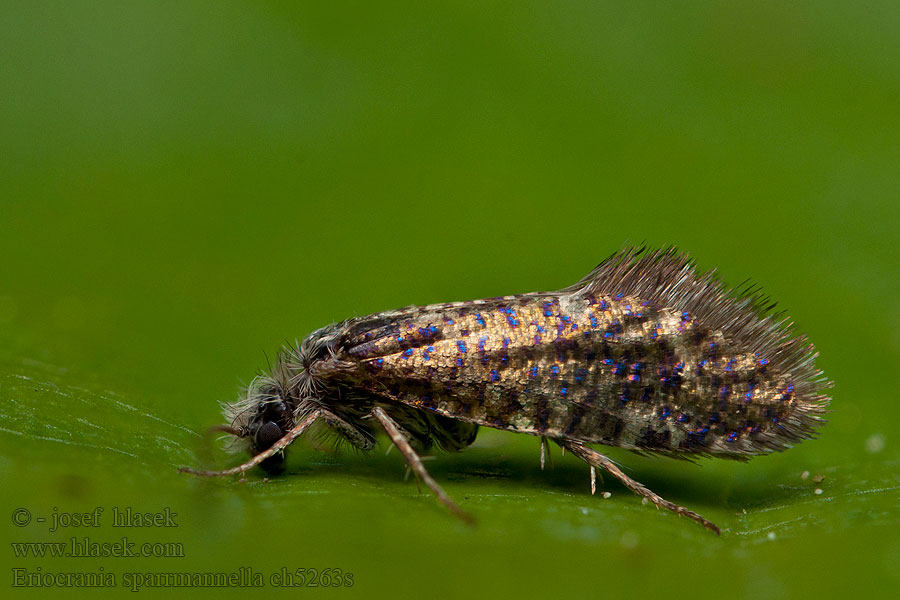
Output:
x=643 y=353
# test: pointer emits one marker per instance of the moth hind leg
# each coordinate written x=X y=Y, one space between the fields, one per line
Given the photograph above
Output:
x=595 y=459
x=415 y=463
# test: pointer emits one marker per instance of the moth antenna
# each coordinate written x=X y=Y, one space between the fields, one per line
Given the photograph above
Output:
x=229 y=429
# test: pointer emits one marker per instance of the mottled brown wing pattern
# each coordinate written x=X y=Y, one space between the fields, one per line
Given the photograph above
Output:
x=616 y=371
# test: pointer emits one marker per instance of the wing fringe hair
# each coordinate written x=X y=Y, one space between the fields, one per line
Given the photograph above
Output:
x=668 y=277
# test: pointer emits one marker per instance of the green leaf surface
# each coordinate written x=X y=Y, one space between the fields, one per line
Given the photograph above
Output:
x=186 y=186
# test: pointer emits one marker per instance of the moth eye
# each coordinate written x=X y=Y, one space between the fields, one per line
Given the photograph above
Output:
x=268 y=434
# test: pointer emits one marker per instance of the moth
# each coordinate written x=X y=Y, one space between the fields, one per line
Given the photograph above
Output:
x=643 y=353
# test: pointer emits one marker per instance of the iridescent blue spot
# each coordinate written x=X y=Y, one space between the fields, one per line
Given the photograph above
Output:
x=537 y=339
x=554 y=370
x=593 y=319
x=679 y=366
x=763 y=361
x=481 y=341
x=749 y=395
x=608 y=334
x=685 y=316
x=702 y=363
x=399 y=338
x=459 y=362
x=379 y=362
x=448 y=321
x=565 y=318
x=603 y=305
x=540 y=328
x=665 y=413
x=733 y=436
x=607 y=361
x=533 y=372
x=619 y=369
x=579 y=374
x=495 y=376
x=683 y=418
x=627 y=309
x=619 y=296
x=512 y=321
x=636 y=377
x=790 y=388
x=480 y=319
x=506 y=342
x=406 y=354
x=426 y=354
x=564 y=391
x=574 y=326
x=462 y=346
x=548 y=309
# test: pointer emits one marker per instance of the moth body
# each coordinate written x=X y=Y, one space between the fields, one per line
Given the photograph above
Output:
x=642 y=354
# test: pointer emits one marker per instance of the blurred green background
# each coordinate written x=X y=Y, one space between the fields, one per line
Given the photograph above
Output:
x=186 y=185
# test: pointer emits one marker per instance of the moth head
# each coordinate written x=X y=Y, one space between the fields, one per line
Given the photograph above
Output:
x=262 y=417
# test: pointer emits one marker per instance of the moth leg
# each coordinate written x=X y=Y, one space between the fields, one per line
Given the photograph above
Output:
x=595 y=459
x=545 y=452
x=277 y=447
x=415 y=463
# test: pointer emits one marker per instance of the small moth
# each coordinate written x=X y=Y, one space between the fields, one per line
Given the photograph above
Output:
x=643 y=353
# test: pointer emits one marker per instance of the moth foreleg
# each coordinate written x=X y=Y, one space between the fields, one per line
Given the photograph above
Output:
x=595 y=459
x=415 y=462
x=277 y=447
